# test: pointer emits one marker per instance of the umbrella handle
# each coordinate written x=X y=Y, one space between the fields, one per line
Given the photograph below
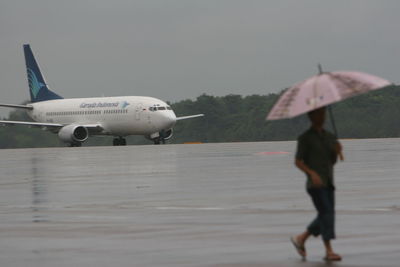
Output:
x=334 y=129
x=332 y=121
x=320 y=69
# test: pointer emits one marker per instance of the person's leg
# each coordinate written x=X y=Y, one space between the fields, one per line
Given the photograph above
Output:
x=302 y=238
x=299 y=241
x=324 y=201
x=326 y=213
x=312 y=229
x=328 y=224
x=330 y=254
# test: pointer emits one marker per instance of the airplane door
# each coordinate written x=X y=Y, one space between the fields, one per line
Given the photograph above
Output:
x=138 y=111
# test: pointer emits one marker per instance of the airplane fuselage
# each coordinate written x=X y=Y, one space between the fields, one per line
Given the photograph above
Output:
x=118 y=116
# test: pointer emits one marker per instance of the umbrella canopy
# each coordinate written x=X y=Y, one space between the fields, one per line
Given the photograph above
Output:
x=322 y=90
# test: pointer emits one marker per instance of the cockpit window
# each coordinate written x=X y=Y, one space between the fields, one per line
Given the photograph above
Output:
x=155 y=108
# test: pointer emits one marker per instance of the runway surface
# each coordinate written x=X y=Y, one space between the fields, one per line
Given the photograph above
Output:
x=233 y=204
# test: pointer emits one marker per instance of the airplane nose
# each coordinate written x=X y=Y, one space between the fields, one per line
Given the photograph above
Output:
x=169 y=119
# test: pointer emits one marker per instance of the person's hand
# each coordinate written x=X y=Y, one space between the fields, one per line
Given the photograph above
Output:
x=339 y=150
x=316 y=179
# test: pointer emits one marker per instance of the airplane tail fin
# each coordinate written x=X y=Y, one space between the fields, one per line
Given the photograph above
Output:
x=38 y=88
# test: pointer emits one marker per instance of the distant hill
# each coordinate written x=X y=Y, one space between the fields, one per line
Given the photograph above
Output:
x=236 y=118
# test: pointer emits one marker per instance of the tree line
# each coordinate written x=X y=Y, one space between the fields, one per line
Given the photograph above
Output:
x=236 y=118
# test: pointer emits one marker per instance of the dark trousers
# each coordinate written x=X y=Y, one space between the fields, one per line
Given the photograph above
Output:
x=324 y=202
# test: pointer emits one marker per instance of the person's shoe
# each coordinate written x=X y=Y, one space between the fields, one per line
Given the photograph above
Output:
x=299 y=247
x=333 y=257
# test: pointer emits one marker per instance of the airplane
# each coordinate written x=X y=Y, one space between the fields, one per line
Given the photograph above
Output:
x=75 y=119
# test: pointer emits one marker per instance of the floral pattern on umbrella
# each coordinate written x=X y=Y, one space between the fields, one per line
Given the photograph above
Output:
x=323 y=90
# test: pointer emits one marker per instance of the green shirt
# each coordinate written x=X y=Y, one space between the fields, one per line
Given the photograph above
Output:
x=317 y=151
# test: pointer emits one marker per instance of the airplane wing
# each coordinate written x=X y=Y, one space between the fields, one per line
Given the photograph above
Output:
x=29 y=123
x=189 y=117
x=92 y=128
x=16 y=106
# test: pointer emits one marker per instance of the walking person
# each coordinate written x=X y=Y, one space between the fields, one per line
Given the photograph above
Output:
x=317 y=152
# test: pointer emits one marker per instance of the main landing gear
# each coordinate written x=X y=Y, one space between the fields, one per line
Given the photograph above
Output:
x=158 y=140
x=120 y=141
x=75 y=144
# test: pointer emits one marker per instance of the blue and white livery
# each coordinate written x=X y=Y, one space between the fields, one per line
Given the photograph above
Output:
x=75 y=119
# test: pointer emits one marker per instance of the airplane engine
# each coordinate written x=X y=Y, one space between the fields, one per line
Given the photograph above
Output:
x=73 y=134
x=166 y=135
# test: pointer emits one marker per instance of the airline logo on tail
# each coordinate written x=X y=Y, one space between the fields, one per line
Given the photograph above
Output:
x=34 y=84
x=37 y=85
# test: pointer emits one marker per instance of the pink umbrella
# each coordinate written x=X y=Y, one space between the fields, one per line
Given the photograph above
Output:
x=322 y=90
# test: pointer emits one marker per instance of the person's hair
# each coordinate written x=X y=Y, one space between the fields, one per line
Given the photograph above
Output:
x=313 y=111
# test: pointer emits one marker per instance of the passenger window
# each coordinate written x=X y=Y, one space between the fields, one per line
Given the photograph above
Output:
x=161 y=108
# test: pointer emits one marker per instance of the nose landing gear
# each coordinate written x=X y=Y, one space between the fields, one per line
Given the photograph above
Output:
x=162 y=136
x=158 y=140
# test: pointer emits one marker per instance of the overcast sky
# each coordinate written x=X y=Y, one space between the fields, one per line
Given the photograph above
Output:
x=179 y=49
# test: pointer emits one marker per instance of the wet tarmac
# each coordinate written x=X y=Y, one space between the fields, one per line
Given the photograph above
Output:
x=220 y=205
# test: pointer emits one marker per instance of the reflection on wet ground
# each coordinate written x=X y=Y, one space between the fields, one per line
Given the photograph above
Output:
x=191 y=205
x=39 y=193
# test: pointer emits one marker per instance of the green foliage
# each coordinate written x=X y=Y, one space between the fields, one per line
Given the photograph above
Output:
x=234 y=118
x=24 y=136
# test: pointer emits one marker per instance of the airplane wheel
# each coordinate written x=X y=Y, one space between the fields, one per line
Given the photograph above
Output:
x=116 y=142
x=156 y=141
x=75 y=144
x=162 y=136
x=119 y=142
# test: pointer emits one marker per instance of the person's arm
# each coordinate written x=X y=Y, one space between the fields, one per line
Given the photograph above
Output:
x=314 y=176
x=339 y=150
